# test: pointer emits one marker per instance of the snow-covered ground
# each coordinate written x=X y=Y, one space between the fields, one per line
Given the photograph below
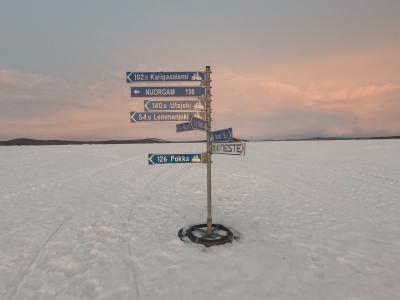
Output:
x=318 y=220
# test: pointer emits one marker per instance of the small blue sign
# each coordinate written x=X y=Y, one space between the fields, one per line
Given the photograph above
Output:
x=174 y=158
x=189 y=105
x=198 y=123
x=183 y=127
x=223 y=135
x=171 y=92
x=163 y=76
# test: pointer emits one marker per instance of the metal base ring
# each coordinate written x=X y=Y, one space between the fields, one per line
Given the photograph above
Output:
x=198 y=234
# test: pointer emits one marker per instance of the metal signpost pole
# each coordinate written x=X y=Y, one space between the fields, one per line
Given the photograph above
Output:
x=208 y=119
x=196 y=112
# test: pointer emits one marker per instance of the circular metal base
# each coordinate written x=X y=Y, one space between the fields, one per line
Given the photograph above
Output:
x=198 y=234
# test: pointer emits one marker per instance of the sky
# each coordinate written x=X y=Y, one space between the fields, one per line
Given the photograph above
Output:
x=281 y=69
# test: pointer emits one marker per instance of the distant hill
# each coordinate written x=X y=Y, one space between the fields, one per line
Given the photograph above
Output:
x=33 y=142
x=334 y=138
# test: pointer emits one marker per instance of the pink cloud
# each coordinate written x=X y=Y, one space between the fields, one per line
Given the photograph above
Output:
x=294 y=101
x=366 y=91
x=290 y=108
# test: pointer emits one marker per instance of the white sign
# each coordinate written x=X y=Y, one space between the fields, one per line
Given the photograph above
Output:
x=237 y=148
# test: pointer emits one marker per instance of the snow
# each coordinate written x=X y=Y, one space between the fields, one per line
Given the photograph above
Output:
x=318 y=220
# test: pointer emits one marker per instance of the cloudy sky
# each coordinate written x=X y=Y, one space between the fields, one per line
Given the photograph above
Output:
x=281 y=69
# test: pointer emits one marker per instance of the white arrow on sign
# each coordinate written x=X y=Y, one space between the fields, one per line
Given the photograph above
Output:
x=133 y=117
x=136 y=92
x=151 y=159
x=146 y=108
x=128 y=77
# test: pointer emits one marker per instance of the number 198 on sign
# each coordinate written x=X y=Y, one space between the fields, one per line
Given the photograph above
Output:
x=190 y=92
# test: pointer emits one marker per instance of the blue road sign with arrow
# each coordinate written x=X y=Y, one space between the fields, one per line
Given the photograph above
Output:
x=172 y=116
x=189 y=105
x=188 y=158
x=171 y=92
x=223 y=135
x=163 y=76
x=194 y=123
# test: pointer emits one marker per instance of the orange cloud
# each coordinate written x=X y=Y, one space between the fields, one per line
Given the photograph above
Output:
x=301 y=100
x=290 y=108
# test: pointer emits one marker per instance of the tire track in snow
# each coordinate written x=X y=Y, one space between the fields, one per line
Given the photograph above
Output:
x=68 y=178
x=171 y=170
x=133 y=270
x=42 y=247
x=340 y=170
x=157 y=175
x=280 y=183
x=134 y=264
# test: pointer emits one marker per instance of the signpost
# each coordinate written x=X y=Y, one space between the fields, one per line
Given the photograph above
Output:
x=172 y=116
x=171 y=92
x=238 y=148
x=208 y=119
x=196 y=114
x=189 y=158
x=190 y=105
x=223 y=135
x=163 y=76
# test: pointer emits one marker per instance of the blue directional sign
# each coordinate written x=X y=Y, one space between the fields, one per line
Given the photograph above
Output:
x=163 y=76
x=172 y=116
x=223 y=135
x=174 y=158
x=189 y=105
x=179 y=91
x=183 y=127
x=198 y=123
